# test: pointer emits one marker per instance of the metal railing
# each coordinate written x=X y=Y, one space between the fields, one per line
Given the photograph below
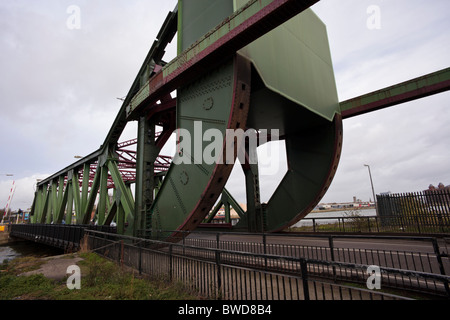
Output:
x=66 y=237
x=324 y=255
x=421 y=212
x=372 y=224
x=432 y=257
x=227 y=274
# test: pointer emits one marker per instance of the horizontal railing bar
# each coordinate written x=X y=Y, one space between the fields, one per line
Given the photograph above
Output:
x=385 y=270
x=287 y=234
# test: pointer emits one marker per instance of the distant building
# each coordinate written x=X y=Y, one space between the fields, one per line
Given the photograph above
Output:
x=439 y=195
x=441 y=186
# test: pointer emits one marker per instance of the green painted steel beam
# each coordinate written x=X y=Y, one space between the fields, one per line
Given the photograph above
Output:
x=417 y=88
x=42 y=199
x=45 y=204
x=75 y=166
x=33 y=209
x=103 y=196
x=76 y=195
x=228 y=201
x=215 y=210
x=196 y=42
x=234 y=204
x=85 y=188
x=62 y=204
x=51 y=216
x=111 y=213
x=90 y=202
x=46 y=210
x=254 y=217
x=127 y=201
x=120 y=219
x=70 y=200
x=61 y=201
x=39 y=204
x=147 y=153
x=60 y=189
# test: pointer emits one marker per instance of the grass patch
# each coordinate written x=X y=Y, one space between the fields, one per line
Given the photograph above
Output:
x=21 y=265
x=101 y=279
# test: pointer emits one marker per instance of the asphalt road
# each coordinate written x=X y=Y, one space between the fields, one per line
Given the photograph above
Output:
x=410 y=253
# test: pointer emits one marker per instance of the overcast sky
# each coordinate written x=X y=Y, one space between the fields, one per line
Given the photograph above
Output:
x=59 y=88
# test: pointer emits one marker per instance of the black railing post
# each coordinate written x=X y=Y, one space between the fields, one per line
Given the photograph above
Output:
x=331 y=245
x=441 y=264
x=264 y=238
x=218 y=240
x=121 y=253
x=170 y=262
x=140 y=258
x=304 y=268
x=219 y=276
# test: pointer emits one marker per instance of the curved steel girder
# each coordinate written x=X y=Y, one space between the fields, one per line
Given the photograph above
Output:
x=313 y=151
x=313 y=158
x=284 y=97
x=191 y=189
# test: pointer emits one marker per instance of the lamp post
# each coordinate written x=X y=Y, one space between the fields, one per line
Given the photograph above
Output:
x=373 y=190
x=11 y=194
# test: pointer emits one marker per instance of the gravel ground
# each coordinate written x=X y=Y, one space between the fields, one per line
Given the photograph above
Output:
x=55 y=267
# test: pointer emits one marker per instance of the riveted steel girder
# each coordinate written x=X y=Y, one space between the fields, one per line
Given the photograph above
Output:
x=417 y=88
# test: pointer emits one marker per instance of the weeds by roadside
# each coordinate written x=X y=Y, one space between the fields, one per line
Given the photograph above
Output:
x=101 y=280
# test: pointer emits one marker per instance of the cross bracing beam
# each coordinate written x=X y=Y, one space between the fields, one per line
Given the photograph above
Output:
x=417 y=88
x=80 y=190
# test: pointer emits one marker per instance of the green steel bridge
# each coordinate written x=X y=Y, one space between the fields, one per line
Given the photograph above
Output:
x=224 y=78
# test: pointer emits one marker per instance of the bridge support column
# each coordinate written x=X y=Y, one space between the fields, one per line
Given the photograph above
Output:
x=147 y=153
x=251 y=172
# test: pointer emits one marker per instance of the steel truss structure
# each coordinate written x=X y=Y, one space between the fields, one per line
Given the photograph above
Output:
x=225 y=77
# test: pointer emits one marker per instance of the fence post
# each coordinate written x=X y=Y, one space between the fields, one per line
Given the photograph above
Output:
x=219 y=276
x=217 y=240
x=441 y=265
x=331 y=245
x=121 y=253
x=170 y=262
x=304 y=268
x=140 y=258
x=265 y=249
x=418 y=224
